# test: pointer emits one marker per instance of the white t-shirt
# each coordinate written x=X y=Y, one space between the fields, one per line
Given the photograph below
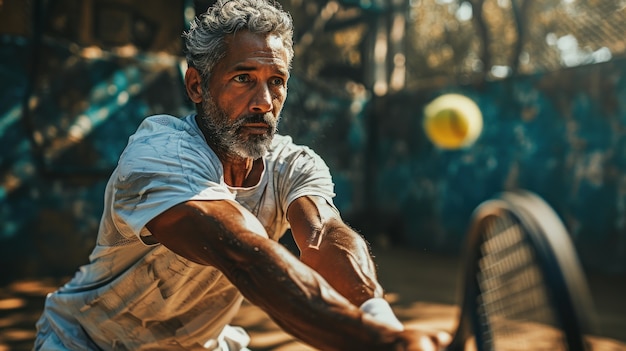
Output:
x=135 y=294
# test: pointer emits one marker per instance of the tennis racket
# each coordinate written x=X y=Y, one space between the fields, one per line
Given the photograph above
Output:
x=523 y=286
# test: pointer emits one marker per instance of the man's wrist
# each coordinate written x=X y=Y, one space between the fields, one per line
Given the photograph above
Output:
x=381 y=311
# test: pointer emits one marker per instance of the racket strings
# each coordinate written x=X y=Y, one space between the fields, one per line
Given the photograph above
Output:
x=516 y=313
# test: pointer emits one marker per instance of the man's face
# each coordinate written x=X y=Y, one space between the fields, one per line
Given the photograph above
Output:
x=247 y=90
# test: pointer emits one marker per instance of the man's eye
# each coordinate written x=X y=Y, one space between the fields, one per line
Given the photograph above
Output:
x=277 y=81
x=242 y=78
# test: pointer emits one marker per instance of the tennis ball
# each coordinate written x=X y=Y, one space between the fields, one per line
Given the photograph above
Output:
x=452 y=121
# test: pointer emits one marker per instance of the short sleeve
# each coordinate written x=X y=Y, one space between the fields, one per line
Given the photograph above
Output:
x=303 y=173
x=164 y=164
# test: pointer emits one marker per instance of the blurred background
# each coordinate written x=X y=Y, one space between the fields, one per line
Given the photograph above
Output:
x=78 y=76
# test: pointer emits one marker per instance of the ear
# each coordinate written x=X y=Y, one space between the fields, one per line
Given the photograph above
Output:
x=193 y=85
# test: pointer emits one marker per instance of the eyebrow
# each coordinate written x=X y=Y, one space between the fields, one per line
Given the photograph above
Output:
x=248 y=68
x=244 y=68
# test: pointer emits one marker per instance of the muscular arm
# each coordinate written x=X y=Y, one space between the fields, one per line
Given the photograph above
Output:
x=225 y=235
x=333 y=249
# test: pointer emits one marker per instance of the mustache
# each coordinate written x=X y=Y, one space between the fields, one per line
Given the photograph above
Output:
x=266 y=118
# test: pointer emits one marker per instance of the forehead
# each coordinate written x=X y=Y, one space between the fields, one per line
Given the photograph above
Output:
x=247 y=48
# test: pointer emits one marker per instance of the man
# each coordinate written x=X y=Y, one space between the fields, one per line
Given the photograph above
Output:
x=196 y=205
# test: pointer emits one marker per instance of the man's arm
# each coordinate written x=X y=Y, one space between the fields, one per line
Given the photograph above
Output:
x=333 y=249
x=225 y=235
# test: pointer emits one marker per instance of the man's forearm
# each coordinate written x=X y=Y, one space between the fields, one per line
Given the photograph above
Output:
x=304 y=304
x=343 y=259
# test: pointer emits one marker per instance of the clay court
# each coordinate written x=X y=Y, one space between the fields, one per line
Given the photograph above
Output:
x=421 y=286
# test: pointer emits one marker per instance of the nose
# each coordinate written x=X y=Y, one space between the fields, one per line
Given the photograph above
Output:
x=262 y=100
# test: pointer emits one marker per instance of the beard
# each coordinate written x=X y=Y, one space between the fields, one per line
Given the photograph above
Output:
x=227 y=137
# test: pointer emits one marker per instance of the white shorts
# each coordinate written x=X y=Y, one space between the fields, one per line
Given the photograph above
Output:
x=230 y=339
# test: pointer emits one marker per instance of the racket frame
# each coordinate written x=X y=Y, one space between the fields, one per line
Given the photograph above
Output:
x=556 y=256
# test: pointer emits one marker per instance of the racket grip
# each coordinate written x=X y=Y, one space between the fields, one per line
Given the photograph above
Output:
x=380 y=309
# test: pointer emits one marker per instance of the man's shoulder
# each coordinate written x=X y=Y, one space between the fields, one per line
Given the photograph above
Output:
x=160 y=131
x=166 y=141
x=164 y=123
x=284 y=144
x=285 y=151
x=281 y=141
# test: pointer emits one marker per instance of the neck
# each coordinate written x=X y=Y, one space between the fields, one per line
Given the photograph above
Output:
x=241 y=172
x=236 y=169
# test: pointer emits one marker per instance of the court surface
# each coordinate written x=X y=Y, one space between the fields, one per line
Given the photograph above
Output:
x=422 y=288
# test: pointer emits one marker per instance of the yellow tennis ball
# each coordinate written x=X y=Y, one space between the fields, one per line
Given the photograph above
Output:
x=452 y=121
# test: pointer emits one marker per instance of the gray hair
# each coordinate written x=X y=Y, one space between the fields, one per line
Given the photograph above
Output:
x=205 y=40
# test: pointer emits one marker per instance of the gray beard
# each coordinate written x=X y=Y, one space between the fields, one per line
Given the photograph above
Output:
x=227 y=138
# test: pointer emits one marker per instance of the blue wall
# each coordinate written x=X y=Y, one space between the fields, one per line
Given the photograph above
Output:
x=560 y=134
